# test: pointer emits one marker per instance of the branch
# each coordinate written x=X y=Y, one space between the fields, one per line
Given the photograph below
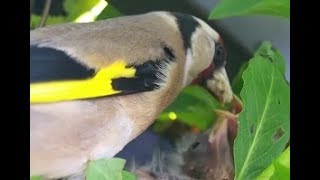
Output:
x=45 y=13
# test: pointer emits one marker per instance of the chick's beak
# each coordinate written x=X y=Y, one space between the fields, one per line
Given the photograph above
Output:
x=220 y=86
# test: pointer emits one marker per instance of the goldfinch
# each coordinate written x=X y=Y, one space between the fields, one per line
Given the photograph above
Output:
x=103 y=83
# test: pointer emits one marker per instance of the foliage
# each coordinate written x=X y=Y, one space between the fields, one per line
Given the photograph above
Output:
x=264 y=123
x=229 y=8
x=79 y=11
x=265 y=51
x=108 y=169
x=109 y=12
x=194 y=106
x=75 y=8
x=278 y=169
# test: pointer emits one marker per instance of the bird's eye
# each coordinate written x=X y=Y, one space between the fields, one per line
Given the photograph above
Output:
x=219 y=58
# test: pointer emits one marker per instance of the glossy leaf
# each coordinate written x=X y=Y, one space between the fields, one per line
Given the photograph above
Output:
x=76 y=8
x=194 y=106
x=279 y=169
x=109 y=12
x=266 y=51
x=237 y=82
x=264 y=123
x=229 y=8
x=275 y=56
x=105 y=169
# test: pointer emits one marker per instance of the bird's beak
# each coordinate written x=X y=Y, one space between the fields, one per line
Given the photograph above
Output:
x=220 y=86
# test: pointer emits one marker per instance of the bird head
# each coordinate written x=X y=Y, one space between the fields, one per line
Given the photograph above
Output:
x=206 y=60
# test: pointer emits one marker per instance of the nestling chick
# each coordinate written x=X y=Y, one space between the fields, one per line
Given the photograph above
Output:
x=207 y=155
x=112 y=80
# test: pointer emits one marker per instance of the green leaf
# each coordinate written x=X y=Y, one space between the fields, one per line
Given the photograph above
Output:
x=75 y=8
x=109 y=12
x=266 y=51
x=193 y=106
x=264 y=123
x=78 y=11
x=275 y=56
x=237 y=82
x=128 y=176
x=229 y=8
x=83 y=10
x=279 y=169
x=105 y=169
x=36 y=178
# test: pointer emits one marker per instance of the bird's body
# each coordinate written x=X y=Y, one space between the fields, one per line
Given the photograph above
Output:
x=75 y=136
x=167 y=52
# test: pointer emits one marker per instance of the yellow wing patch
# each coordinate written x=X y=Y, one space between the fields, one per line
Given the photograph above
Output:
x=99 y=85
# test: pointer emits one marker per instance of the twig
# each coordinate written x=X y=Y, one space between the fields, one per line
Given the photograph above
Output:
x=31 y=7
x=45 y=13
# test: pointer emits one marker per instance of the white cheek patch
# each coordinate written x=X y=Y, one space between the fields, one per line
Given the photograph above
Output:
x=208 y=29
x=198 y=58
x=187 y=66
